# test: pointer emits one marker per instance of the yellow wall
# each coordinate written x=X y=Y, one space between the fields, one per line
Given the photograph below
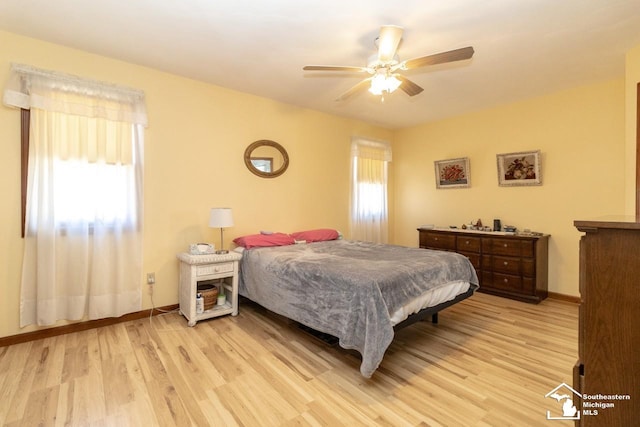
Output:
x=197 y=135
x=581 y=135
x=194 y=148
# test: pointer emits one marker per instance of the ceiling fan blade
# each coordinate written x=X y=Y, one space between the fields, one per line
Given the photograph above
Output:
x=354 y=89
x=388 y=41
x=408 y=86
x=335 y=68
x=439 y=58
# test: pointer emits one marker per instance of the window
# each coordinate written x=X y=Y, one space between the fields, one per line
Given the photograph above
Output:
x=370 y=193
x=89 y=191
x=369 y=211
x=82 y=180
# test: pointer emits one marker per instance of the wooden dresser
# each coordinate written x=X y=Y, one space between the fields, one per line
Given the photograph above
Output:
x=609 y=329
x=508 y=265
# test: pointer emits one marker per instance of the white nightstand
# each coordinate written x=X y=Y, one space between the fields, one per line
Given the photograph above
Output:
x=200 y=268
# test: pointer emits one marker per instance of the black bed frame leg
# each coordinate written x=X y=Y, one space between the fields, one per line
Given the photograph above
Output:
x=434 y=318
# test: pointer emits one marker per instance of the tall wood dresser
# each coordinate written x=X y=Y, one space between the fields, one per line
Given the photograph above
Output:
x=609 y=322
x=508 y=265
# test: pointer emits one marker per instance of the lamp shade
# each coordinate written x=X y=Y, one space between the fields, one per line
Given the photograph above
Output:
x=220 y=218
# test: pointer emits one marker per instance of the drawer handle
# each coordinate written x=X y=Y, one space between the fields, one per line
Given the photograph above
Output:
x=506 y=263
x=435 y=238
x=466 y=243
x=505 y=245
x=506 y=280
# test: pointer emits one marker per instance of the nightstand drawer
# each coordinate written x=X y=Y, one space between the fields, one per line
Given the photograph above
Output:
x=205 y=270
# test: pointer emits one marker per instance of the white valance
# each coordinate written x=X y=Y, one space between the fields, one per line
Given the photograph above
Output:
x=31 y=87
x=370 y=149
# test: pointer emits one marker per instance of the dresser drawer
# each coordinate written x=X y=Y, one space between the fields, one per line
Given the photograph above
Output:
x=529 y=285
x=474 y=258
x=529 y=267
x=206 y=270
x=505 y=282
x=510 y=247
x=506 y=265
x=468 y=244
x=438 y=241
x=528 y=248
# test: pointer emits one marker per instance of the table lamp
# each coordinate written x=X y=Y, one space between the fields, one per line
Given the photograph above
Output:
x=221 y=218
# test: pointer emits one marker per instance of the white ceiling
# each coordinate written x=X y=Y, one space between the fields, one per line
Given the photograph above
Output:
x=523 y=48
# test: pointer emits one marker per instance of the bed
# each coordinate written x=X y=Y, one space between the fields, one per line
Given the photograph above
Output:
x=356 y=291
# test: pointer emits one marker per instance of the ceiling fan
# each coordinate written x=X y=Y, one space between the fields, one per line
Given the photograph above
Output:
x=383 y=68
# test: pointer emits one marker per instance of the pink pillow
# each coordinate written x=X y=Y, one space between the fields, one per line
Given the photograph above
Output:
x=263 y=240
x=318 y=235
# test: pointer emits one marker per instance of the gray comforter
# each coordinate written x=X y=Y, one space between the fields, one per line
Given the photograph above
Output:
x=347 y=288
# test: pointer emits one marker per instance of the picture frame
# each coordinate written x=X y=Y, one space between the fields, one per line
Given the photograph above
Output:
x=519 y=169
x=453 y=173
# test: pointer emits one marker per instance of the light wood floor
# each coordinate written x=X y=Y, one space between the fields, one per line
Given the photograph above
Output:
x=489 y=362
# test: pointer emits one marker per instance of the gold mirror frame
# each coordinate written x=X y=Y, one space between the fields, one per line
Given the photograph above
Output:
x=266 y=143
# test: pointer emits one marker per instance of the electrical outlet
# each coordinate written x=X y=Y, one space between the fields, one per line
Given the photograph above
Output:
x=151 y=278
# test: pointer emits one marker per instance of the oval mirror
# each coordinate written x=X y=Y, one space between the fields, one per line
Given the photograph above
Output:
x=266 y=158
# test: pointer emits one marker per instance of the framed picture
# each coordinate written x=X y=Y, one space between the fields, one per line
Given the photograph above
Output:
x=521 y=168
x=453 y=173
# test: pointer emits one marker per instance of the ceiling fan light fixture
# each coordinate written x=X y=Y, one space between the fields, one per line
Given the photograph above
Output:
x=383 y=66
x=381 y=83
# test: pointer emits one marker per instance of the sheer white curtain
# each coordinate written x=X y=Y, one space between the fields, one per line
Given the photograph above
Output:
x=369 y=211
x=83 y=240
